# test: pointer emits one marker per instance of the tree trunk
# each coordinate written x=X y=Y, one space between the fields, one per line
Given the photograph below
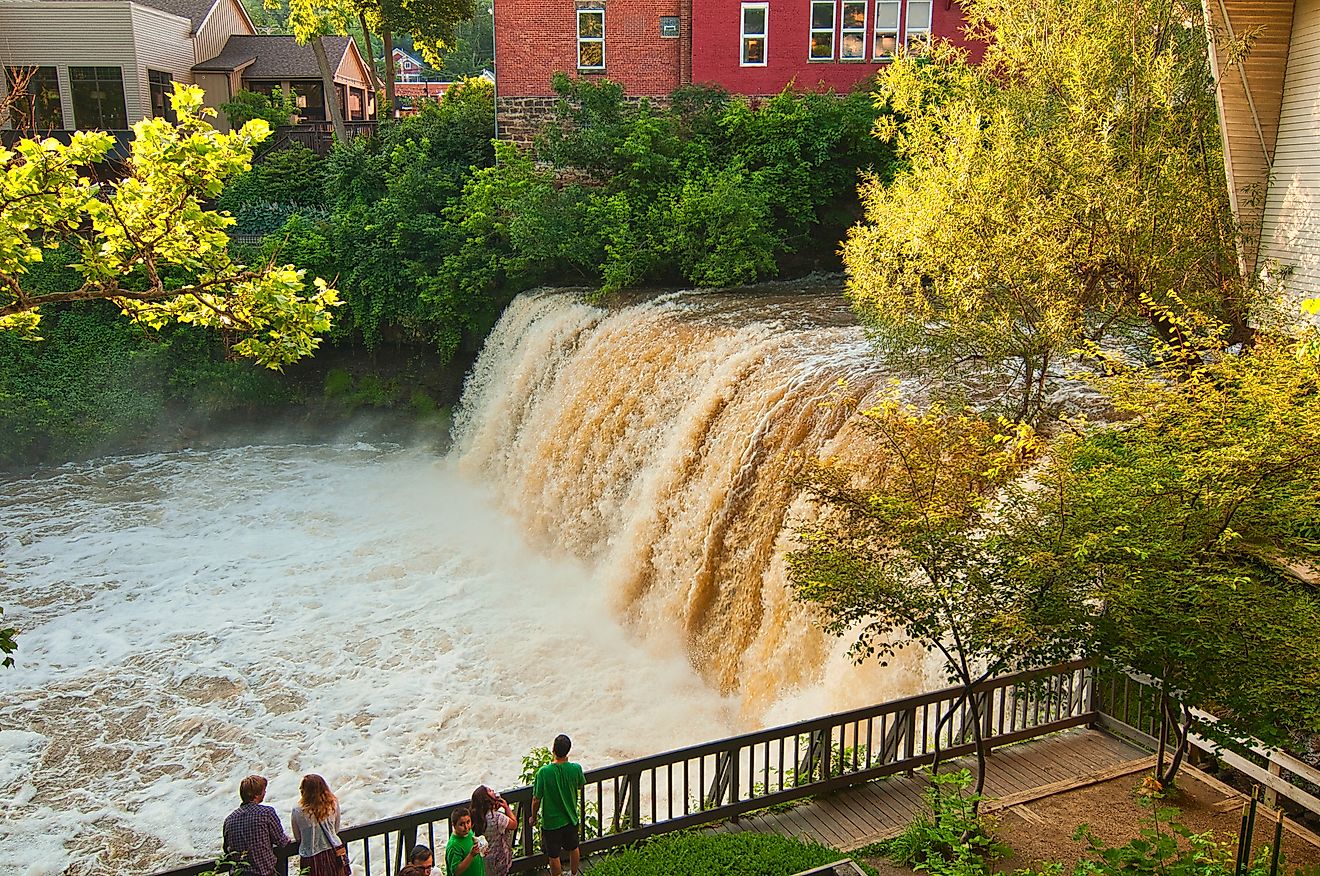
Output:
x=387 y=37
x=978 y=737
x=1180 y=752
x=331 y=93
x=1164 y=734
x=366 y=38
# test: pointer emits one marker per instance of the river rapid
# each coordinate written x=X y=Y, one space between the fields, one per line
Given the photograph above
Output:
x=600 y=554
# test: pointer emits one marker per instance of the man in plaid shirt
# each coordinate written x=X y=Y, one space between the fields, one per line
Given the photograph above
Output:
x=253 y=831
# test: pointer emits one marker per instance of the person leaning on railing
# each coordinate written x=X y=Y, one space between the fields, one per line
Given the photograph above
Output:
x=253 y=832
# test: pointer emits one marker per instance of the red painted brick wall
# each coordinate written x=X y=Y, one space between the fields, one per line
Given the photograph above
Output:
x=536 y=38
x=716 y=48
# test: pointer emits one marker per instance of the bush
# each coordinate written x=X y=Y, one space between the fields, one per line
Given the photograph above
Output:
x=700 y=854
x=952 y=839
x=276 y=108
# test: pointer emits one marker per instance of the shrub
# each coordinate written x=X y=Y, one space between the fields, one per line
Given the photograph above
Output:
x=276 y=108
x=700 y=854
x=952 y=839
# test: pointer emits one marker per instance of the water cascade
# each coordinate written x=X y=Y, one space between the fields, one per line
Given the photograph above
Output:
x=658 y=442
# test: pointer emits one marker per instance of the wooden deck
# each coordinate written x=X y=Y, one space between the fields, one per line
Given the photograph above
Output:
x=878 y=810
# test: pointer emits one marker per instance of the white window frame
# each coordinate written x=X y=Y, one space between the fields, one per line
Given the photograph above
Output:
x=813 y=31
x=581 y=40
x=918 y=34
x=860 y=31
x=877 y=53
x=744 y=36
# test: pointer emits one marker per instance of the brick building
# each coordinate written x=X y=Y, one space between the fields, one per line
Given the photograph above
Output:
x=651 y=47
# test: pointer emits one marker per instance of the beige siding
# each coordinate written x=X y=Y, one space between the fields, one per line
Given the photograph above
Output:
x=219 y=87
x=1290 y=233
x=92 y=34
x=225 y=19
x=1249 y=101
x=164 y=43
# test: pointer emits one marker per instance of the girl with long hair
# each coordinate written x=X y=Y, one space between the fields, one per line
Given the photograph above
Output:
x=316 y=829
x=493 y=818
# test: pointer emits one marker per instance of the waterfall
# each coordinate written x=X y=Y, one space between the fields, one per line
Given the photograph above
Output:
x=658 y=441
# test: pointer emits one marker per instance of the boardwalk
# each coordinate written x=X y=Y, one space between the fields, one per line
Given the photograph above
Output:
x=878 y=810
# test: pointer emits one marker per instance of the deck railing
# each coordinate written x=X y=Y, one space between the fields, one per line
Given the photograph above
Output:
x=1127 y=704
x=714 y=781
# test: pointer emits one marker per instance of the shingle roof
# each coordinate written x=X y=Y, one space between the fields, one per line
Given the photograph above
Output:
x=274 y=57
x=193 y=10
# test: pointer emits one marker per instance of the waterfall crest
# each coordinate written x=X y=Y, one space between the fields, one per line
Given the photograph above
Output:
x=659 y=440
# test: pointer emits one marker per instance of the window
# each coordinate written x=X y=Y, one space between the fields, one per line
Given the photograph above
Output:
x=98 y=98
x=886 y=28
x=161 y=88
x=591 y=39
x=822 y=30
x=669 y=27
x=918 y=24
x=38 y=107
x=754 y=18
x=852 y=30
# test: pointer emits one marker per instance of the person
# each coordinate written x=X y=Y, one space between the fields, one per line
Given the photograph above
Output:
x=463 y=852
x=316 y=828
x=493 y=818
x=420 y=862
x=252 y=832
x=558 y=786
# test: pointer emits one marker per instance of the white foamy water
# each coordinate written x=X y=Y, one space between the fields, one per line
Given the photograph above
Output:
x=359 y=611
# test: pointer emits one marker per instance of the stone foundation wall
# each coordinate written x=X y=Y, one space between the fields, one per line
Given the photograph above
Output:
x=520 y=119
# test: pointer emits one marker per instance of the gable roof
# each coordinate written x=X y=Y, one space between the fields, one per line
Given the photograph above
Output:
x=195 y=11
x=274 y=57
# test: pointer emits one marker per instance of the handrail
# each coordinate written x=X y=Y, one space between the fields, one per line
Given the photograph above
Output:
x=714 y=781
x=1127 y=706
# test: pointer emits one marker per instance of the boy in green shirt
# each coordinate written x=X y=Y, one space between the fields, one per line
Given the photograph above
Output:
x=462 y=852
x=559 y=785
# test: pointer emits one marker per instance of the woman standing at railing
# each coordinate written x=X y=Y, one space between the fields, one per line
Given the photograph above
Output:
x=493 y=819
x=316 y=829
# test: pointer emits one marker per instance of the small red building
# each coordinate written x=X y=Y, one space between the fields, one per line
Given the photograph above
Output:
x=749 y=48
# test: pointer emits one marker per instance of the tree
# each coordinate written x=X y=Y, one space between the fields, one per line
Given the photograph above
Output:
x=1195 y=526
x=310 y=21
x=146 y=242
x=1063 y=190
x=431 y=24
x=905 y=550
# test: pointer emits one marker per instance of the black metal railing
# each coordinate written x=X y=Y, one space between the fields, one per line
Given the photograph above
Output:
x=719 y=780
x=317 y=136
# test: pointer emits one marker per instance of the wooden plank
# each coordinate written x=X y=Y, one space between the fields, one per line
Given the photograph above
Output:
x=1043 y=791
x=1293 y=828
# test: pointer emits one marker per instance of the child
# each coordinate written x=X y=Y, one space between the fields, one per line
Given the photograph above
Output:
x=463 y=852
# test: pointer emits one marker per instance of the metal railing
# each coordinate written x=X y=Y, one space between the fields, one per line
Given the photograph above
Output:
x=317 y=136
x=719 y=780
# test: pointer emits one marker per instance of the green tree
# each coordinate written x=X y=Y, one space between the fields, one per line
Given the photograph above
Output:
x=1065 y=189
x=1195 y=525
x=905 y=550
x=147 y=243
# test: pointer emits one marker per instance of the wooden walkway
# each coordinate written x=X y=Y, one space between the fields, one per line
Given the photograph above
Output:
x=865 y=814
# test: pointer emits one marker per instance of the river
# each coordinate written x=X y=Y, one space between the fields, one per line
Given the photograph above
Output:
x=600 y=554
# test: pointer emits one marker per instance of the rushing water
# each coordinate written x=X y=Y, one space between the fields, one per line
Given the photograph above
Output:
x=600 y=555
